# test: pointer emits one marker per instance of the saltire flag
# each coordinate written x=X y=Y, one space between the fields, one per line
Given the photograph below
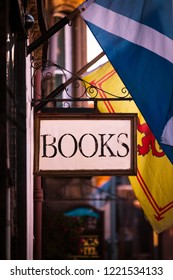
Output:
x=137 y=37
x=152 y=185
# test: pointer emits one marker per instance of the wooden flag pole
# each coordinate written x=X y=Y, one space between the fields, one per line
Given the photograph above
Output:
x=56 y=27
x=51 y=31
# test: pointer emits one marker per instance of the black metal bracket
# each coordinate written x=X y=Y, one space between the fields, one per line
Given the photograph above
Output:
x=87 y=92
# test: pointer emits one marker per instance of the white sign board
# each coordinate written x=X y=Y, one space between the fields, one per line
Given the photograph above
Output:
x=102 y=144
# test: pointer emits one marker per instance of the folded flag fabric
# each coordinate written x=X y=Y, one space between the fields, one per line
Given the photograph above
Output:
x=137 y=37
x=153 y=183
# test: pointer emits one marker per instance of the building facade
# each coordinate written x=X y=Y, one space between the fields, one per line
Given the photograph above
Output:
x=30 y=70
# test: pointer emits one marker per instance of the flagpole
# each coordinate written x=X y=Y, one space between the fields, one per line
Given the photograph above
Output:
x=51 y=31
x=69 y=81
x=56 y=27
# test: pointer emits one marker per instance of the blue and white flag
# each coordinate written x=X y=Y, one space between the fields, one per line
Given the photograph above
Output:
x=137 y=37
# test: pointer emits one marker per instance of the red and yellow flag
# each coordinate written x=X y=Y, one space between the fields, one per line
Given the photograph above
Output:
x=153 y=184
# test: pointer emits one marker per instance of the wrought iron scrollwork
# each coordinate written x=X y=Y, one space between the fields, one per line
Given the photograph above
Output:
x=125 y=92
x=73 y=87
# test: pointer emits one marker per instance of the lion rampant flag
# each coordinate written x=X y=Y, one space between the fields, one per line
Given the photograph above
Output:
x=153 y=184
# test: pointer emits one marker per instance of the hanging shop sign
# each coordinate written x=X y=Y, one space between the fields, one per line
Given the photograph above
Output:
x=73 y=144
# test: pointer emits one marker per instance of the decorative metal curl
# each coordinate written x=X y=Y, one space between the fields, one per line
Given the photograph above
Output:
x=48 y=75
x=36 y=64
x=92 y=91
x=47 y=69
x=71 y=90
x=125 y=92
x=66 y=104
x=80 y=85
